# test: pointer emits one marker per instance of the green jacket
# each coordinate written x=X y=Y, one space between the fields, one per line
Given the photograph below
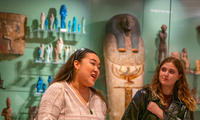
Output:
x=137 y=109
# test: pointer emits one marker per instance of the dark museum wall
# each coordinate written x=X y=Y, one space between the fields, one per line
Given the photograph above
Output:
x=20 y=74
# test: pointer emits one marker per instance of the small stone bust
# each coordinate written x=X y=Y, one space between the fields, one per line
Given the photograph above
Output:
x=7 y=112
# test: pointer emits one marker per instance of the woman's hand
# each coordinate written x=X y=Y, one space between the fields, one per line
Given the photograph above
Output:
x=155 y=109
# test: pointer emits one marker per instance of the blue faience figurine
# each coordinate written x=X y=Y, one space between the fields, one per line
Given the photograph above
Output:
x=46 y=24
x=69 y=26
x=39 y=54
x=50 y=79
x=56 y=23
x=44 y=87
x=74 y=24
x=79 y=28
x=63 y=14
x=39 y=85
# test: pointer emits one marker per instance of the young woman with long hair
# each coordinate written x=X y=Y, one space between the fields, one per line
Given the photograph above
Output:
x=167 y=97
x=71 y=95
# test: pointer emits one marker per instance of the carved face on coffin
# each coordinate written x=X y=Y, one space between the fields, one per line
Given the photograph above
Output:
x=125 y=27
x=127 y=24
x=124 y=38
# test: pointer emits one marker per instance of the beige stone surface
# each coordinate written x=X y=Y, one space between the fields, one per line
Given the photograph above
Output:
x=123 y=70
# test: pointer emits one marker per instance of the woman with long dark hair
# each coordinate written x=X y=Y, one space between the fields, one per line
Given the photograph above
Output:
x=71 y=95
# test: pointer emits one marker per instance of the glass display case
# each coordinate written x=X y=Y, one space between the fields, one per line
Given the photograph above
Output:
x=20 y=74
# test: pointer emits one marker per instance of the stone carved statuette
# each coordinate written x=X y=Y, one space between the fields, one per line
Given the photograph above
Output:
x=42 y=51
x=42 y=20
x=51 y=21
x=83 y=25
x=175 y=54
x=67 y=52
x=7 y=112
x=48 y=54
x=185 y=60
x=162 y=53
x=58 y=49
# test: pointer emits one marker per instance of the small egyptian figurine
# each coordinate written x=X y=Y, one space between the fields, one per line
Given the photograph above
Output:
x=175 y=54
x=46 y=24
x=51 y=52
x=41 y=51
x=74 y=24
x=67 y=52
x=63 y=14
x=83 y=25
x=44 y=87
x=51 y=22
x=7 y=112
x=42 y=19
x=79 y=28
x=185 y=60
x=58 y=49
x=69 y=26
x=50 y=79
x=39 y=84
x=39 y=54
x=56 y=23
x=163 y=43
x=48 y=53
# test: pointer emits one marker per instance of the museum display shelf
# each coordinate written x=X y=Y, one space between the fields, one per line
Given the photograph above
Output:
x=58 y=31
x=44 y=62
